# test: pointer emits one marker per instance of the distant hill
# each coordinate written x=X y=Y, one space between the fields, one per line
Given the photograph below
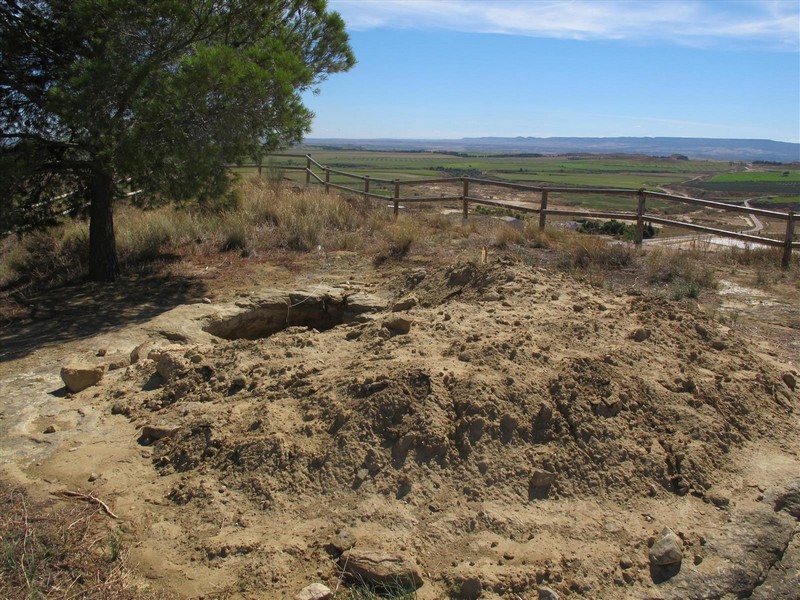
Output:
x=707 y=148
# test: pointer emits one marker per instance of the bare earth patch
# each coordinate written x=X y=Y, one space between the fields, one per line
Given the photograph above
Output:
x=503 y=427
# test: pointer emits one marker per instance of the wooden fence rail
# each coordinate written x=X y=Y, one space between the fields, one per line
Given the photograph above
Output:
x=640 y=216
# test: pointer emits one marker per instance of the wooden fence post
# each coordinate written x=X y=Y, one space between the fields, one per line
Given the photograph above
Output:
x=464 y=196
x=259 y=168
x=366 y=185
x=396 y=197
x=308 y=170
x=327 y=180
x=787 y=241
x=543 y=211
x=639 y=219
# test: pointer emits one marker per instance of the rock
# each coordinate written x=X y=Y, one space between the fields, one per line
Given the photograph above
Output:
x=101 y=352
x=717 y=499
x=78 y=377
x=397 y=324
x=140 y=352
x=640 y=335
x=380 y=569
x=540 y=483
x=315 y=591
x=783 y=579
x=157 y=432
x=205 y=300
x=547 y=593
x=93 y=477
x=50 y=429
x=239 y=381
x=752 y=544
x=790 y=381
x=343 y=541
x=787 y=499
x=625 y=562
x=667 y=550
x=469 y=589
x=171 y=365
x=405 y=303
x=119 y=363
x=120 y=409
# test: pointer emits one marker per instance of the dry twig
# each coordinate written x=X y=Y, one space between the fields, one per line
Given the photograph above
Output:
x=89 y=498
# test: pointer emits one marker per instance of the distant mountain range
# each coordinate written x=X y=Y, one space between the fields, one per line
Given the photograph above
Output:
x=707 y=148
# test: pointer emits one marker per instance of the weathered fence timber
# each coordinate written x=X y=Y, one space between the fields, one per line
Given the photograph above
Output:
x=640 y=216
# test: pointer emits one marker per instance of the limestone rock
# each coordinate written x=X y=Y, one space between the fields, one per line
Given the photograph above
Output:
x=78 y=377
x=397 y=324
x=668 y=549
x=469 y=589
x=789 y=380
x=171 y=365
x=157 y=432
x=343 y=541
x=787 y=499
x=380 y=568
x=547 y=593
x=315 y=591
x=405 y=303
x=140 y=352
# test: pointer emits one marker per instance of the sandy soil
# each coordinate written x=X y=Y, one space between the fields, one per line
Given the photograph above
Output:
x=526 y=430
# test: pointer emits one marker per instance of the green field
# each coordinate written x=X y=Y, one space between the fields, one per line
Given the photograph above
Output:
x=582 y=171
x=784 y=182
x=630 y=172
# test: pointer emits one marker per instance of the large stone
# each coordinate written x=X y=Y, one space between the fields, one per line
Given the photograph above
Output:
x=405 y=303
x=78 y=377
x=397 y=324
x=668 y=549
x=343 y=541
x=171 y=365
x=380 y=568
x=315 y=591
x=787 y=499
x=738 y=557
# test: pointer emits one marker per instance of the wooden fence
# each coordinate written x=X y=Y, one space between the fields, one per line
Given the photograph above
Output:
x=467 y=197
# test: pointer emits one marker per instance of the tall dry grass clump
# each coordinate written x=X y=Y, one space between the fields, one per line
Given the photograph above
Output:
x=263 y=217
x=685 y=272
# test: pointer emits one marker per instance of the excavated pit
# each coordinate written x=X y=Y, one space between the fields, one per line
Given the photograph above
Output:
x=263 y=316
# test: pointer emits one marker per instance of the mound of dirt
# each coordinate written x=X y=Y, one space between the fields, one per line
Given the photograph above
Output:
x=512 y=385
x=505 y=387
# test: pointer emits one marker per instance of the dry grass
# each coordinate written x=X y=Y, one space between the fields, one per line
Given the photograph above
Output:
x=266 y=216
x=59 y=551
x=683 y=273
x=397 y=239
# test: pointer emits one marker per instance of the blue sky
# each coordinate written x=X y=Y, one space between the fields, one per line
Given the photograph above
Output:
x=468 y=68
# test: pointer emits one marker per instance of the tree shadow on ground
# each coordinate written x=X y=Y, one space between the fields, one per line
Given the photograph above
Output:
x=74 y=312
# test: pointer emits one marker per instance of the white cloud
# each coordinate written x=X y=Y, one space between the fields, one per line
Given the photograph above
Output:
x=769 y=24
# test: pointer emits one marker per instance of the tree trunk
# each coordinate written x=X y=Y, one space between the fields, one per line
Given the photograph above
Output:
x=103 y=265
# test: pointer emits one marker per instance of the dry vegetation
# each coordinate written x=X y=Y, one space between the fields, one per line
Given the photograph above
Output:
x=58 y=550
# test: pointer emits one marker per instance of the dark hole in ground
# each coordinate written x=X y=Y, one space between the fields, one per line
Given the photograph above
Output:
x=267 y=319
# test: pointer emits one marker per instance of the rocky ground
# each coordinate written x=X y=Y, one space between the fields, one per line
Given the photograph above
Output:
x=473 y=430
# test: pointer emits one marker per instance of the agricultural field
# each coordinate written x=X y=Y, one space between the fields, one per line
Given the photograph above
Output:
x=771 y=186
x=784 y=182
x=580 y=170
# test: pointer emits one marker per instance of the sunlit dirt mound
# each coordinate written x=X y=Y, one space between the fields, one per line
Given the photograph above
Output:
x=511 y=383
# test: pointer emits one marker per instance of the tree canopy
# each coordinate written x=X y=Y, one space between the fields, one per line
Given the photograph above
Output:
x=97 y=95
